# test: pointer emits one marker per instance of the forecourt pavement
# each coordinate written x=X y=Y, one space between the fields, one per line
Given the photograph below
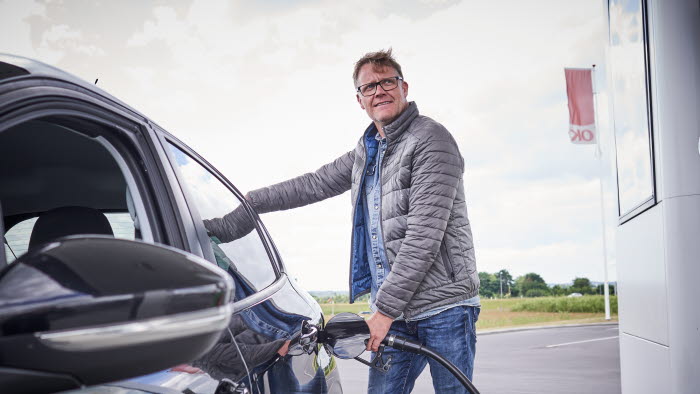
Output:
x=564 y=359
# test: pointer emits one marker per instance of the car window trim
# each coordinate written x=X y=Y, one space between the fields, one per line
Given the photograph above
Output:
x=192 y=241
x=144 y=225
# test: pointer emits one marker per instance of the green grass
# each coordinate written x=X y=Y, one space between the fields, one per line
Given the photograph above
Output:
x=498 y=303
x=585 y=304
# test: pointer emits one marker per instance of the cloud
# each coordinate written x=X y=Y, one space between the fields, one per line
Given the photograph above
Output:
x=559 y=262
x=263 y=91
x=16 y=16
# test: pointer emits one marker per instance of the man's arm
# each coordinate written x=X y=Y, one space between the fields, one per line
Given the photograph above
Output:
x=437 y=171
x=234 y=225
x=330 y=180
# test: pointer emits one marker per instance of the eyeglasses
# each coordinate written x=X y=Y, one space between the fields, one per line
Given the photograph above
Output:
x=387 y=84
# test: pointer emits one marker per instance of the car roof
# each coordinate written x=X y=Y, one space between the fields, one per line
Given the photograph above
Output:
x=21 y=68
x=34 y=68
x=16 y=68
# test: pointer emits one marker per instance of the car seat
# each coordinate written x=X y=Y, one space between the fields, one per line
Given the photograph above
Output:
x=64 y=221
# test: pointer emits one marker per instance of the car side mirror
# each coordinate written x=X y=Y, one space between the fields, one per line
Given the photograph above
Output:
x=87 y=310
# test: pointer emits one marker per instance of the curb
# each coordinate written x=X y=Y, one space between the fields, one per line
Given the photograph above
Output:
x=530 y=328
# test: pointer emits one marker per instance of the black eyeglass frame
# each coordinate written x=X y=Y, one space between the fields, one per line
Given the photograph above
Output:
x=359 y=88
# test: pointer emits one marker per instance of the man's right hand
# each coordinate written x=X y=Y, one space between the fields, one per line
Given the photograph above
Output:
x=379 y=325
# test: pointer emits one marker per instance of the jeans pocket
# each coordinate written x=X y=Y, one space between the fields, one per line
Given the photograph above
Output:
x=474 y=312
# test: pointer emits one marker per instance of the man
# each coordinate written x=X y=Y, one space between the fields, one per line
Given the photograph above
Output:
x=412 y=246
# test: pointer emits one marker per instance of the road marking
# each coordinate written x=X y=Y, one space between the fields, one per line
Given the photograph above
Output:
x=577 y=342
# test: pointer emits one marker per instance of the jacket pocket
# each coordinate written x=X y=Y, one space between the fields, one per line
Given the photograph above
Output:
x=447 y=261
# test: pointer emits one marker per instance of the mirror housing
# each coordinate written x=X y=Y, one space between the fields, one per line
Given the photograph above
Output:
x=88 y=310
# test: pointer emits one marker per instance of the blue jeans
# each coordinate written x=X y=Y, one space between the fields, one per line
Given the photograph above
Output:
x=450 y=333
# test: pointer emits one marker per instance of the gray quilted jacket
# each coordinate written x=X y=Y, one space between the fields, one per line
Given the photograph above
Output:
x=426 y=231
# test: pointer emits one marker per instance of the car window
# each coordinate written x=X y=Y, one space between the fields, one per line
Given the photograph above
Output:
x=17 y=239
x=247 y=255
x=18 y=236
x=73 y=182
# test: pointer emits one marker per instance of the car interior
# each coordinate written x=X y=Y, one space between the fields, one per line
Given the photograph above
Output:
x=57 y=181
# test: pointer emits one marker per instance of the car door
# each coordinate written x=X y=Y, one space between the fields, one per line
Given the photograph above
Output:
x=268 y=302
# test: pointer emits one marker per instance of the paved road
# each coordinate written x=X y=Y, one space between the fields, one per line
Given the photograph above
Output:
x=572 y=360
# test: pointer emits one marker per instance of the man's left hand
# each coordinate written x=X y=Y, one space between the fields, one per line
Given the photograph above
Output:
x=284 y=349
x=379 y=325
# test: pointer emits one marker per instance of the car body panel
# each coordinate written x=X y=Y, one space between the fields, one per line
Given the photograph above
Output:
x=45 y=92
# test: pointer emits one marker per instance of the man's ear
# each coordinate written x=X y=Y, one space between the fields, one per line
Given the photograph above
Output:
x=405 y=89
x=359 y=101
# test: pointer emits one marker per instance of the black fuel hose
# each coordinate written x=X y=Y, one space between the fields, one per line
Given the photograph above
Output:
x=407 y=345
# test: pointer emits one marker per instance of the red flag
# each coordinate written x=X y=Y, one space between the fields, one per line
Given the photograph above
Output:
x=579 y=89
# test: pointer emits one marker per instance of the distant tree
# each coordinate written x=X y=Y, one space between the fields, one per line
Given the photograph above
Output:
x=557 y=290
x=341 y=299
x=531 y=281
x=536 y=293
x=582 y=285
x=599 y=289
x=489 y=285
x=582 y=282
x=504 y=277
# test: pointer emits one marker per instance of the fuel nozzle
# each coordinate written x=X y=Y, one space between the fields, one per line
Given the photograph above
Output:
x=403 y=344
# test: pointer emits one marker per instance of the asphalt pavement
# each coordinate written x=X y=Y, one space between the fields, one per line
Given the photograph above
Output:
x=578 y=359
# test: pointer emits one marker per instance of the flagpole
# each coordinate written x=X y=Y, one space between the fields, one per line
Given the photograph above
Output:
x=599 y=156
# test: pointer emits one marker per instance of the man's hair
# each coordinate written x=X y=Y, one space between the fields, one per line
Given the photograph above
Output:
x=378 y=60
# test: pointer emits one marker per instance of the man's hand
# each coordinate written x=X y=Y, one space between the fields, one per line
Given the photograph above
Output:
x=284 y=349
x=379 y=325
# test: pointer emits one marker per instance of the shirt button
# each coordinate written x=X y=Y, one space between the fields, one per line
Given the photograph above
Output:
x=374 y=237
x=376 y=207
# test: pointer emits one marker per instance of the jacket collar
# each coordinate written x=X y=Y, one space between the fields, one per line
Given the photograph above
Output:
x=394 y=129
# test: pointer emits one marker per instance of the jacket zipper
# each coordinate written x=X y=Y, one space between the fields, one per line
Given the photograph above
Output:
x=354 y=211
x=381 y=192
x=447 y=261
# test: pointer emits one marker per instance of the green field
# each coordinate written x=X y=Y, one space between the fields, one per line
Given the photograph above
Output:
x=585 y=304
x=519 y=312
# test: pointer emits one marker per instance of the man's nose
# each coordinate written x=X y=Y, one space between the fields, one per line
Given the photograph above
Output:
x=380 y=90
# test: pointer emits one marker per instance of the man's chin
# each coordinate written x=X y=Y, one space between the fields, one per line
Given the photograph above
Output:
x=385 y=120
x=385 y=117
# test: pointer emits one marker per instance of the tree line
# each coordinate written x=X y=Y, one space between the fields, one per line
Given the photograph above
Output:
x=498 y=285
x=502 y=284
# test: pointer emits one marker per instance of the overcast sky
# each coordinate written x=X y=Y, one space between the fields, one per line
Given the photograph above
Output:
x=264 y=91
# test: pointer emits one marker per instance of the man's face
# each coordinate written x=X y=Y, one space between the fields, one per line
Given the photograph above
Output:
x=384 y=106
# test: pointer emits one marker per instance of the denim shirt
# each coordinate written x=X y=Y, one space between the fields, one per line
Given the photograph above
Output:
x=372 y=195
x=376 y=256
